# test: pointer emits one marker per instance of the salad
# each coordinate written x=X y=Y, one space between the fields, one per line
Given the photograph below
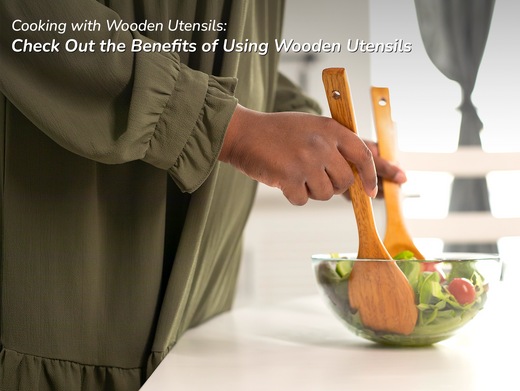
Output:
x=447 y=295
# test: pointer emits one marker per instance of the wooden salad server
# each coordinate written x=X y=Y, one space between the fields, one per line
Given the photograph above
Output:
x=378 y=289
x=397 y=239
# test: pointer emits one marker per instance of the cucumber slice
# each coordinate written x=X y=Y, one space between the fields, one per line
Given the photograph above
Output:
x=343 y=268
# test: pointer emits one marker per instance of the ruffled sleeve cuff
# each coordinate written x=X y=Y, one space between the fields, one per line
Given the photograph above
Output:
x=190 y=131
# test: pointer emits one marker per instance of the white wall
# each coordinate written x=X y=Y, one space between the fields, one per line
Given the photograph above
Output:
x=333 y=21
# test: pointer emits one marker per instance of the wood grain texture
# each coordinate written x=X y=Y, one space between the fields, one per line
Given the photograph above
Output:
x=397 y=238
x=342 y=110
x=378 y=289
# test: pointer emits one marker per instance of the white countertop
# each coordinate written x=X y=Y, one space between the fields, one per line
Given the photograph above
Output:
x=300 y=345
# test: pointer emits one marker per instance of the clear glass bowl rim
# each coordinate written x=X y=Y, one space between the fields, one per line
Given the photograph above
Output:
x=444 y=257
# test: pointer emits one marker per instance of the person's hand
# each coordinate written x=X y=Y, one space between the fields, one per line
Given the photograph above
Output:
x=301 y=154
x=385 y=170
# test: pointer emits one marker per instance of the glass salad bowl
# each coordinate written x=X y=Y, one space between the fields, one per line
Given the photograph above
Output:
x=450 y=291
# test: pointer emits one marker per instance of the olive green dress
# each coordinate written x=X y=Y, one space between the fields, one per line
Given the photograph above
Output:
x=105 y=260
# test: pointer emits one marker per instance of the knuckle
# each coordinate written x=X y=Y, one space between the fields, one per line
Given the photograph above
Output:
x=350 y=180
x=334 y=129
x=329 y=124
x=366 y=155
x=315 y=139
x=374 y=148
x=302 y=158
x=346 y=181
x=317 y=145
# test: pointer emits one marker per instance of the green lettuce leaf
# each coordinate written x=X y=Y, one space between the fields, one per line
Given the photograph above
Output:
x=426 y=317
x=463 y=269
x=427 y=284
x=411 y=271
x=405 y=255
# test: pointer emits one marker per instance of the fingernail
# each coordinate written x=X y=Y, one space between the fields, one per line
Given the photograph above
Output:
x=400 y=177
x=374 y=192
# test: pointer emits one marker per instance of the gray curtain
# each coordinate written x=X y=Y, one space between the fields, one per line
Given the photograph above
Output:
x=454 y=33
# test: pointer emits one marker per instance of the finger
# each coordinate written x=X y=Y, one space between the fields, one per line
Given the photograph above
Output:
x=296 y=193
x=390 y=171
x=380 y=187
x=340 y=174
x=356 y=152
x=380 y=193
x=319 y=187
x=374 y=148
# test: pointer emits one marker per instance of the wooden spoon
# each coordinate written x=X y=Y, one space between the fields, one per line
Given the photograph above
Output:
x=378 y=289
x=397 y=238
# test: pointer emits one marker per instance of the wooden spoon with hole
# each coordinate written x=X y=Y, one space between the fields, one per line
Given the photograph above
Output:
x=378 y=289
x=397 y=239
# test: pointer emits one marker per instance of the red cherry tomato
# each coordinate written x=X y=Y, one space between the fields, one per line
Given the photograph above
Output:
x=463 y=290
x=434 y=267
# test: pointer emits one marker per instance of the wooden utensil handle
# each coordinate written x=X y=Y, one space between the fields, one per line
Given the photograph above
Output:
x=341 y=109
x=386 y=132
x=387 y=143
x=397 y=238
